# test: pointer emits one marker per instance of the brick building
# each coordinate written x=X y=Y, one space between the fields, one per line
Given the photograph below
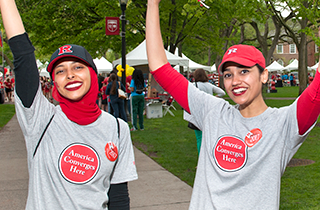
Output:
x=286 y=52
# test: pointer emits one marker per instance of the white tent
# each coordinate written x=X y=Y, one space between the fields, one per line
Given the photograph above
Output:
x=292 y=66
x=39 y=64
x=103 y=65
x=138 y=56
x=193 y=65
x=275 y=66
x=43 y=72
x=214 y=68
x=315 y=67
x=177 y=67
x=43 y=68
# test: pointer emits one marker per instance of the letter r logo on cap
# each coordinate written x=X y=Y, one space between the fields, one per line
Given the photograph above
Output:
x=234 y=50
x=65 y=49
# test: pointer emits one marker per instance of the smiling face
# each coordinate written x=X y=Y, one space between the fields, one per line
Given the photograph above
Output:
x=244 y=84
x=72 y=78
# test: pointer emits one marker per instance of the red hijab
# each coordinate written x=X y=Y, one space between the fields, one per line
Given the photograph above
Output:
x=85 y=111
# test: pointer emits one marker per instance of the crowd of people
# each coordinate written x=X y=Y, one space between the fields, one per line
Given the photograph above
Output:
x=135 y=88
x=6 y=87
x=46 y=87
x=287 y=79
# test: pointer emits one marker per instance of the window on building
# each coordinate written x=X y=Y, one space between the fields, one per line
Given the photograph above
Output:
x=316 y=48
x=280 y=62
x=292 y=49
x=280 y=48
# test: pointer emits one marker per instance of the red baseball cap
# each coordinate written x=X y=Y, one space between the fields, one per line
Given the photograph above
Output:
x=245 y=55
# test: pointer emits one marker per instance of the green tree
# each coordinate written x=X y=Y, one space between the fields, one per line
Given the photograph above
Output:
x=305 y=14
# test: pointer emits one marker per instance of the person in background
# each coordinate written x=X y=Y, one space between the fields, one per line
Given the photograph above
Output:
x=100 y=80
x=137 y=88
x=8 y=88
x=47 y=88
x=310 y=78
x=116 y=102
x=79 y=157
x=291 y=78
x=245 y=147
x=104 y=102
x=128 y=82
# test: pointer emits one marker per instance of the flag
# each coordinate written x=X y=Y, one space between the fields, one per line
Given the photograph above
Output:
x=112 y=26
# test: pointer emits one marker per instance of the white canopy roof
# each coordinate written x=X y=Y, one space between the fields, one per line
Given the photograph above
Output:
x=103 y=65
x=43 y=72
x=214 y=68
x=315 y=67
x=275 y=66
x=138 y=56
x=43 y=68
x=292 y=66
x=193 y=65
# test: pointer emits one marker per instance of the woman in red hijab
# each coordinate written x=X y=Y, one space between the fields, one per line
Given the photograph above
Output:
x=79 y=157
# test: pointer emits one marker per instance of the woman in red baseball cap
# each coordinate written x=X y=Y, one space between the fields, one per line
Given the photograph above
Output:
x=79 y=157
x=245 y=147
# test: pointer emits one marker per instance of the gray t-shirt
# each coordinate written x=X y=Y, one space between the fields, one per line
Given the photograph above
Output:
x=74 y=164
x=242 y=159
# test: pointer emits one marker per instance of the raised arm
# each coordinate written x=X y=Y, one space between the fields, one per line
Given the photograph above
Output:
x=169 y=79
x=25 y=67
x=155 y=50
x=11 y=18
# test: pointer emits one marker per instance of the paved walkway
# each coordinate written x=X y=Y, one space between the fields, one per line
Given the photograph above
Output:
x=156 y=188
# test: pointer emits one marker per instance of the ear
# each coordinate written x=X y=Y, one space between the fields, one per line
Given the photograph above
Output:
x=264 y=76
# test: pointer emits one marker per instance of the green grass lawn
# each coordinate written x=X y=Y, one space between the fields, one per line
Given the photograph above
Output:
x=6 y=113
x=284 y=92
x=300 y=185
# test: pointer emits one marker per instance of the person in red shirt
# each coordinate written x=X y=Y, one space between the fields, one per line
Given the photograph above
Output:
x=8 y=88
x=1 y=83
x=104 y=102
x=2 y=92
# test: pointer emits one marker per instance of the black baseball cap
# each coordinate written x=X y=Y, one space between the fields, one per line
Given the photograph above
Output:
x=74 y=51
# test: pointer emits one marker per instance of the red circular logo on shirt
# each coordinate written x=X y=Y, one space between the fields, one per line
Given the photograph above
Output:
x=111 y=151
x=230 y=153
x=79 y=163
x=253 y=137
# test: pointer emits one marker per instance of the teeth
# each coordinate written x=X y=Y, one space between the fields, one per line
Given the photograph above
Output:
x=73 y=85
x=239 y=90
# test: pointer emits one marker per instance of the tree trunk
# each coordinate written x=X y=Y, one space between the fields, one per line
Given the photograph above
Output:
x=303 y=59
x=180 y=55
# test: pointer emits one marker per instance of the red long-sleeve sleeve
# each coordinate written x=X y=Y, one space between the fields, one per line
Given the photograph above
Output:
x=174 y=83
x=308 y=105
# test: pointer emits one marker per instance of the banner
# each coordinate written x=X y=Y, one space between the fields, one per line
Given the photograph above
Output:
x=112 y=26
